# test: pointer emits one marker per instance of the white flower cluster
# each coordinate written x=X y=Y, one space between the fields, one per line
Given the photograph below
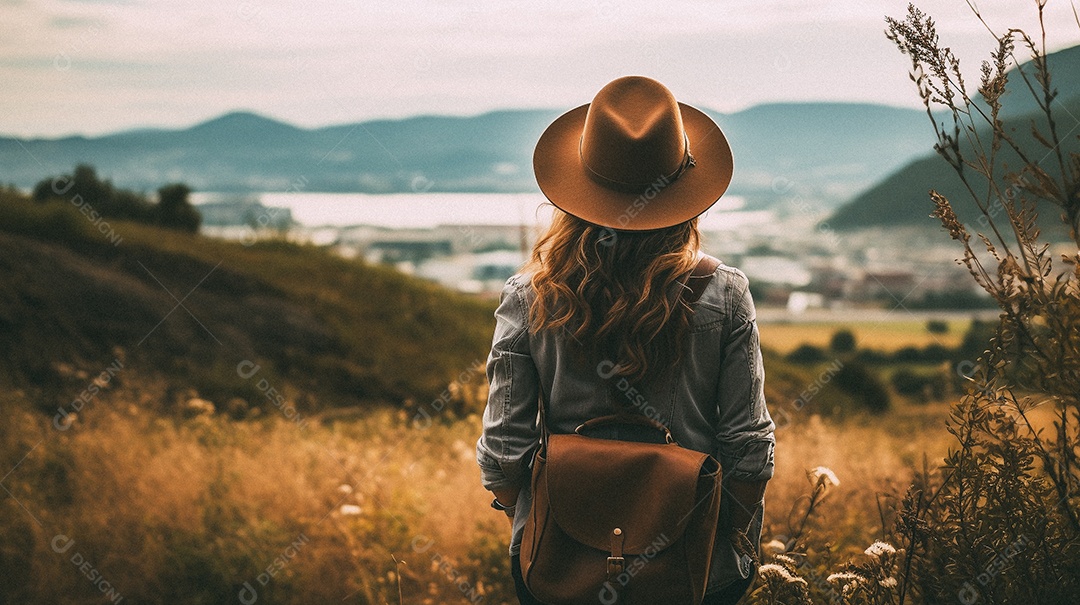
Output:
x=772 y=571
x=843 y=577
x=875 y=572
x=880 y=548
x=787 y=561
x=822 y=476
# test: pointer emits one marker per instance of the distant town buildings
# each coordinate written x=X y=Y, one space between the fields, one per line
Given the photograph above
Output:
x=247 y=212
x=792 y=263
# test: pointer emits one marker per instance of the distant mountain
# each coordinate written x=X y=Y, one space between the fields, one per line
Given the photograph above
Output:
x=822 y=151
x=903 y=197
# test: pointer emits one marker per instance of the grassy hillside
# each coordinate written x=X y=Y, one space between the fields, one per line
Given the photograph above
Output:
x=75 y=297
x=903 y=197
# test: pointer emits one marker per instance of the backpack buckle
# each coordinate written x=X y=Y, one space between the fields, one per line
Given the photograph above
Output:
x=616 y=564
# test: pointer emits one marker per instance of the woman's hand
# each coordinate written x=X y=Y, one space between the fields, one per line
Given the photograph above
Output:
x=507 y=502
x=743 y=546
x=506 y=496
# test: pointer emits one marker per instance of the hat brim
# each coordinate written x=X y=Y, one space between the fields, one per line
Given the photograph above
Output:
x=565 y=182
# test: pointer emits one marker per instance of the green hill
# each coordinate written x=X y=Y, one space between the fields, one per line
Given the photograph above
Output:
x=76 y=297
x=903 y=197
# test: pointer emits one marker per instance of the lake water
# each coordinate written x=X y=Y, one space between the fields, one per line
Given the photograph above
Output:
x=426 y=210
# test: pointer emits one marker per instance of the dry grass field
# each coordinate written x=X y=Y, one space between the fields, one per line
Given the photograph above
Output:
x=198 y=510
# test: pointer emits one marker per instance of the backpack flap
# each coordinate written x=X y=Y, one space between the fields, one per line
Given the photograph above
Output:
x=646 y=490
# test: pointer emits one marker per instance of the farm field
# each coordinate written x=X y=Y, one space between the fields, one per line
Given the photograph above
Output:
x=889 y=335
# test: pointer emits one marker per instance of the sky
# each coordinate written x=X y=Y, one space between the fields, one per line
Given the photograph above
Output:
x=96 y=66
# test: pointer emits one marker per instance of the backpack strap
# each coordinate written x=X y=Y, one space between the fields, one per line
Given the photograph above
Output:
x=700 y=277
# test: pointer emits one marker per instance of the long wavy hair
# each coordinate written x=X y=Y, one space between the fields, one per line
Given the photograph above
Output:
x=618 y=293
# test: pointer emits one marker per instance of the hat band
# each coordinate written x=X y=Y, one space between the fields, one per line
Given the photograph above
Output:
x=658 y=183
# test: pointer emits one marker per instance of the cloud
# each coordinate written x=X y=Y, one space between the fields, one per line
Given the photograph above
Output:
x=161 y=62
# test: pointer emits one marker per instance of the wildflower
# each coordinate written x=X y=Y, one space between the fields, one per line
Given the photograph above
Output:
x=345 y=488
x=772 y=571
x=943 y=211
x=843 y=577
x=880 y=548
x=786 y=560
x=822 y=476
x=350 y=509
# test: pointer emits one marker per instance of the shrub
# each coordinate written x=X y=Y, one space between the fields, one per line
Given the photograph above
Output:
x=976 y=339
x=864 y=386
x=907 y=354
x=935 y=353
x=174 y=211
x=923 y=387
x=83 y=186
x=937 y=326
x=843 y=341
x=807 y=354
x=931 y=353
x=871 y=356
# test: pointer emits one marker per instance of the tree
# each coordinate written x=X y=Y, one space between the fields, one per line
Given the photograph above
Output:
x=84 y=187
x=82 y=182
x=174 y=211
x=843 y=341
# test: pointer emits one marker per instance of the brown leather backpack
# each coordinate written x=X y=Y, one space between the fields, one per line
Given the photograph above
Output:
x=616 y=521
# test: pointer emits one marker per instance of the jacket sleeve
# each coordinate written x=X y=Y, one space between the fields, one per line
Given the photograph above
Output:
x=746 y=440
x=510 y=433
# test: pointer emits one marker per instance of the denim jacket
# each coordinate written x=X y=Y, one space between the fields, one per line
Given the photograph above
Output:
x=712 y=403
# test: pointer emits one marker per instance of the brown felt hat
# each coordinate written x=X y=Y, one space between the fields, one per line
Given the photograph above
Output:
x=634 y=159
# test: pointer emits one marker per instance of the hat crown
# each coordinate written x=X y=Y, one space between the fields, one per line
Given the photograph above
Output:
x=624 y=161
x=633 y=134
